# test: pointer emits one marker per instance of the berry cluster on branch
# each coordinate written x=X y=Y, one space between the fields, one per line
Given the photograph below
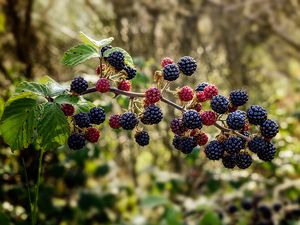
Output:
x=200 y=107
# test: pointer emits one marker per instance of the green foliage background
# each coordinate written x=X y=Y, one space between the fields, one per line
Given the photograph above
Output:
x=237 y=44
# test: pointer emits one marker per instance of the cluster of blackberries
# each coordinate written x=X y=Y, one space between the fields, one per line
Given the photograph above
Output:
x=82 y=125
x=233 y=144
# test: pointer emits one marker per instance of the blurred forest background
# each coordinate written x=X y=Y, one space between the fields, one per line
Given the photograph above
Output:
x=251 y=44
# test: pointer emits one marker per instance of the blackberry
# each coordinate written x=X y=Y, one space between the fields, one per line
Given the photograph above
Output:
x=116 y=60
x=256 y=114
x=187 y=65
x=238 y=97
x=79 y=85
x=177 y=126
x=177 y=142
x=92 y=134
x=265 y=211
x=97 y=115
x=142 y=138
x=246 y=204
x=201 y=86
x=76 y=141
x=171 y=72
x=103 y=49
x=277 y=207
x=232 y=209
x=131 y=72
x=257 y=144
x=68 y=109
x=229 y=161
x=82 y=120
x=269 y=128
x=214 y=150
x=236 y=120
x=128 y=120
x=191 y=119
x=188 y=144
x=268 y=153
x=165 y=61
x=243 y=160
x=219 y=104
x=152 y=115
x=233 y=144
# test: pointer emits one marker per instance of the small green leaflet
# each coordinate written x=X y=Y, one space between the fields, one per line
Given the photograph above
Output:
x=39 y=89
x=97 y=44
x=128 y=58
x=79 y=54
x=53 y=128
x=19 y=122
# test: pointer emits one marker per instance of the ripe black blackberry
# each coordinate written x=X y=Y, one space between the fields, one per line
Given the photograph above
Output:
x=233 y=144
x=171 y=72
x=103 y=49
x=97 y=115
x=188 y=144
x=76 y=141
x=152 y=115
x=257 y=144
x=142 y=138
x=128 y=120
x=131 y=72
x=265 y=211
x=246 y=204
x=187 y=65
x=177 y=126
x=82 y=120
x=243 y=160
x=79 y=85
x=177 y=142
x=201 y=86
x=256 y=114
x=236 y=120
x=219 y=104
x=191 y=119
x=269 y=128
x=214 y=150
x=277 y=206
x=268 y=153
x=116 y=60
x=232 y=209
x=229 y=161
x=238 y=97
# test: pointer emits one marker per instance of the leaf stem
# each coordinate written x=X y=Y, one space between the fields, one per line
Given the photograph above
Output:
x=28 y=190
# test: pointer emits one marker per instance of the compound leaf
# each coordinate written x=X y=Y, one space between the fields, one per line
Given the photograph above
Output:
x=97 y=44
x=79 y=54
x=53 y=128
x=19 y=122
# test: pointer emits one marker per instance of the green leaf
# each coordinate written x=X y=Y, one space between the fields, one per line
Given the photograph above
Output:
x=53 y=128
x=4 y=220
x=173 y=216
x=1 y=107
x=54 y=87
x=210 y=218
x=128 y=58
x=40 y=89
x=153 y=201
x=97 y=44
x=19 y=122
x=79 y=54
x=66 y=98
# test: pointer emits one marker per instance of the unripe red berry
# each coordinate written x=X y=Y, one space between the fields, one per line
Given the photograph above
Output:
x=201 y=96
x=152 y=95
x=124 y=85
x=198 y=107
x=166 y=61
x=98 y=69
x=208 y=118
x=92 y=134
x=202 y=139
x=68 y=109
x=186 y=93
x=103 y=85
x=210 y=91
x=246 y=126
x=194 y=132
x=114 y=121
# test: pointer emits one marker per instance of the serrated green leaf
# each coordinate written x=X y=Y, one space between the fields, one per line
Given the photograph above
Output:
x=54 y=87
x=19 y=122
x=84 y=106
x=153 y=201
x=40 y=89
x=66 y=98
x=128 y=58
x=22 y=95
x=79 y=54
x=53 y=128
x=210 y=218
x=97 y=44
